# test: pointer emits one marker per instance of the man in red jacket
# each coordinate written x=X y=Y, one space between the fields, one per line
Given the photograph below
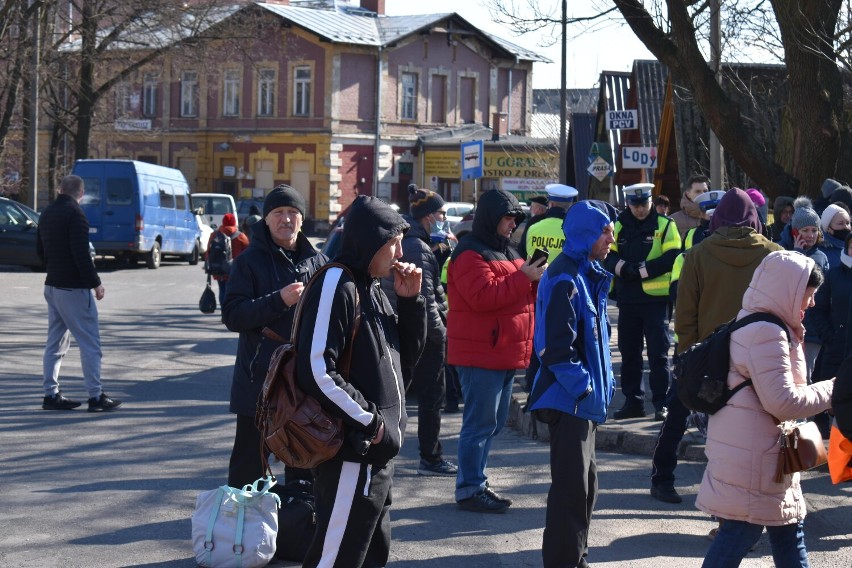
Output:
x=239 y=243
x=489 y=332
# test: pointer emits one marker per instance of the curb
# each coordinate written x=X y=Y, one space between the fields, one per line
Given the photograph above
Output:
x=635 y=436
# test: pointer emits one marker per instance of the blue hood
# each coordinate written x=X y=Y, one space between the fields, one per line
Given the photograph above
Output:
x=582 y=227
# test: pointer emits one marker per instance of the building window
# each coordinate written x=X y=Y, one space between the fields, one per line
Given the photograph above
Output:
x=302 y=91
x=231 y=89
x=266 y=92
x=149 y=95
x=439 y=97
x=189 y=93
x=409 y=97
x=122 y=100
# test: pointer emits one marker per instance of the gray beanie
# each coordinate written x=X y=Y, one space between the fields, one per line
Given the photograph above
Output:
x=283 y=196
x=804 y=217
x=828 y=187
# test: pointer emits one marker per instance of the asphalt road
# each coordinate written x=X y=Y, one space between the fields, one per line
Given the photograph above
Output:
x=84 y=490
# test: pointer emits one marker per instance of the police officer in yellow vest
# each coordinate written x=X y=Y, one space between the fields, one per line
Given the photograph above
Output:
x=646 y=246
x=547 y=233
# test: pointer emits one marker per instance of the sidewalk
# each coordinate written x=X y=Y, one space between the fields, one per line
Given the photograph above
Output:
x=631 y=436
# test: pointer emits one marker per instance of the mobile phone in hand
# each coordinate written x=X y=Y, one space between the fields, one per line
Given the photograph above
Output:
x=538 y=254
x=795 y=233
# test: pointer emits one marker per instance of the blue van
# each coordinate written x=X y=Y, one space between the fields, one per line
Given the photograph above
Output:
x=138 y=211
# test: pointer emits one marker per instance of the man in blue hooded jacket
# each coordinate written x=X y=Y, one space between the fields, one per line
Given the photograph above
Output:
x=575 y=383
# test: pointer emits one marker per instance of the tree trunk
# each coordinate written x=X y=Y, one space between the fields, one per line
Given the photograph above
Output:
x=815 y=103
x=816 y=140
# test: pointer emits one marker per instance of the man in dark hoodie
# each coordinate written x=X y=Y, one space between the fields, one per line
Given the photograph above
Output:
x=353 y=490
x=265 y=283
x=574 y=384
x=716 y=273
x=427 y=377
x=489 y=334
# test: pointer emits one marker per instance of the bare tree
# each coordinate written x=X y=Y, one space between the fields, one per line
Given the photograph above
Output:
x=814 y=137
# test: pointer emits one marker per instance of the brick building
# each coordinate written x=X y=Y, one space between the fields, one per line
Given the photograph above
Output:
x=331 y=98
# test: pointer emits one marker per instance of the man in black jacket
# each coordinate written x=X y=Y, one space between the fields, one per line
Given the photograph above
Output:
x=63 y=245
x=353 y=490
x=427 y=377
x=265 y=284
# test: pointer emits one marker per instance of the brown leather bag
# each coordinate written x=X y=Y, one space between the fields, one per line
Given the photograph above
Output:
x=802 y=449
x=293 y=424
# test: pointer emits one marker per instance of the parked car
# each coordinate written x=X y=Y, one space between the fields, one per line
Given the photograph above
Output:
x=214 y=206
x=205 y=231
x=18 y=234
x=456 y=210
x=138 y=210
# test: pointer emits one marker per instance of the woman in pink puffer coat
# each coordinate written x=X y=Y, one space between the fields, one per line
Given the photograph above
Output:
x=743 y=438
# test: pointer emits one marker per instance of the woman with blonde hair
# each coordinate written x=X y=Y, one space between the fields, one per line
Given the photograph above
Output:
x=743 y=437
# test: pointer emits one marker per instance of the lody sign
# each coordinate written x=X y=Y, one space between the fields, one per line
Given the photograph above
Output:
x=622 y=119
x=638 y=157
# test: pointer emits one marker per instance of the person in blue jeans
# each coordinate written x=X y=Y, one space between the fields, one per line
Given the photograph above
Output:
x=489 y=331
x=742 y=484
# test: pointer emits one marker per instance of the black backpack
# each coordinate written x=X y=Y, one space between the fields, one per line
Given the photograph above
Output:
x=220 y=255
x=702 y=370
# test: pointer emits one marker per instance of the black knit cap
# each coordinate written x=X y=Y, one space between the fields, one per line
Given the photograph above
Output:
x=283 y=196
x=422 y=202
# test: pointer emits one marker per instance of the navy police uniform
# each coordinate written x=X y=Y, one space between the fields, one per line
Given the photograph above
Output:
x=641 y=259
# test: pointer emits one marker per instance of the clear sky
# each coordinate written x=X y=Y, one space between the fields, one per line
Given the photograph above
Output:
x=610 y=46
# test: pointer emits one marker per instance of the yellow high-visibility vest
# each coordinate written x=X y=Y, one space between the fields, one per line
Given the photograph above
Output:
x=546 y=234
x=666 y=238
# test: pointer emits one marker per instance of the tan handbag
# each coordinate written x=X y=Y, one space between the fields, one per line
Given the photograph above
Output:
x=802 y=449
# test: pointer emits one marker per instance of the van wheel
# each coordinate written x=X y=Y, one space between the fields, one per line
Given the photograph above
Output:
x=152 y=259
x=193 y=256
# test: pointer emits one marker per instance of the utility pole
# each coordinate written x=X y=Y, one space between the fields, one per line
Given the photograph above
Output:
x=717 y=165
x=32 y=133
x=563 y=100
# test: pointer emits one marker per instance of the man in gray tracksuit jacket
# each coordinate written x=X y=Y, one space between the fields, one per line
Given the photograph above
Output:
x=353 y=490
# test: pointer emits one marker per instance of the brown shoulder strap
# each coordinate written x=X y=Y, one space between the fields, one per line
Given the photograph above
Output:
x=346 y=356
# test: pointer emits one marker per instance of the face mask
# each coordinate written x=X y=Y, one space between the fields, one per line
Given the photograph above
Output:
x=438 y=226
x=841 y=234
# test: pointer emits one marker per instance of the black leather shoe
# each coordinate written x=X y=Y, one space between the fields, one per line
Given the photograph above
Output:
x=629 y=411
x=665 y=493
x=58 y=402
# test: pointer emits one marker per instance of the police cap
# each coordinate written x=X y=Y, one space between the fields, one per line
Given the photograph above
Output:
x=561 y=193
x=709 y=199
x=638 y=193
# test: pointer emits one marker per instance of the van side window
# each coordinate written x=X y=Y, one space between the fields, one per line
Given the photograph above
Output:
x=118 y=191
x=180 y=198
x=167 y=196
x=152 y=195
x=220 y=207
x=92 y=195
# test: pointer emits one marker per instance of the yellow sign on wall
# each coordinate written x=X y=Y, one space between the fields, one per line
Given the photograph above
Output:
x=520 y=165
x=442 y=164
x=445 y=164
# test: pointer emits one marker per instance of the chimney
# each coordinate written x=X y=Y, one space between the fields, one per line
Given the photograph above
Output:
x=498 y=125
x=377 y=6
